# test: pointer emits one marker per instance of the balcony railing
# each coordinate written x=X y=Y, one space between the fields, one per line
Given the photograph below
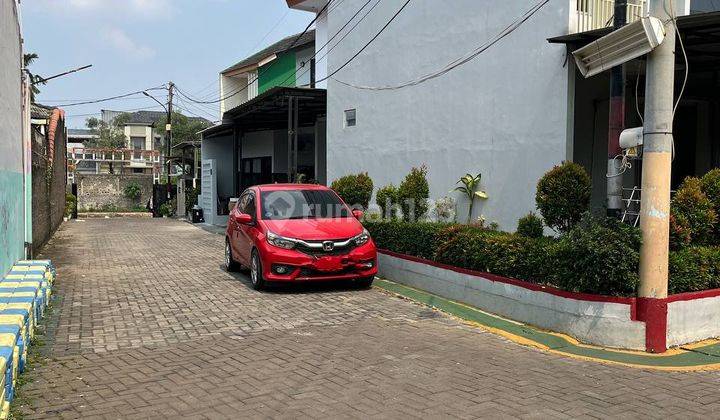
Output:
x=133 y=156
x=596 y=14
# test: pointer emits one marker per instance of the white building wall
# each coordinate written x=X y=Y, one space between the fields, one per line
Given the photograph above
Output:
x=504 y=114
x=229 y=85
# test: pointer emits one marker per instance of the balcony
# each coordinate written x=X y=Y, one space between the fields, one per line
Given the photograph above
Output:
x=597 y=14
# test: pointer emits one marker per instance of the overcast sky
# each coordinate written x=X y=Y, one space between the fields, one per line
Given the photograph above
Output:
x=138 y=44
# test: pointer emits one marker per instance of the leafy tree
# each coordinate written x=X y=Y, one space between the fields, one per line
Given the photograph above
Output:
x=109 y=135
x=183 y=128
x=35 y=80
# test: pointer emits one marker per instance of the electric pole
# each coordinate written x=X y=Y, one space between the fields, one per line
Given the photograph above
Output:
x=617 y=122
x=168 y=135
x=656 y=169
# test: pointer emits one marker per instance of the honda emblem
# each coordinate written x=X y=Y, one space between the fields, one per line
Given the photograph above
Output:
x=328 y=245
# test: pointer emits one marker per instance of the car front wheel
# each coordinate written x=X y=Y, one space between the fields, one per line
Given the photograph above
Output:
x=256 y=276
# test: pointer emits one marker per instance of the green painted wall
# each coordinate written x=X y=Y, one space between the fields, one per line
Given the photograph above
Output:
x=12 y=232
x=276 y=72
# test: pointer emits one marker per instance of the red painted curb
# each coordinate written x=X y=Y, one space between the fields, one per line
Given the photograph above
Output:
x=653 y=312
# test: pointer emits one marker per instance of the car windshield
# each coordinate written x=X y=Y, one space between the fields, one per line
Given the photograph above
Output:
x=301 y=204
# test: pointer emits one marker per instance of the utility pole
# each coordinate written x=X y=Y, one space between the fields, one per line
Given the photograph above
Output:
x=617 y=122
x=656 y=168
x=168 y=135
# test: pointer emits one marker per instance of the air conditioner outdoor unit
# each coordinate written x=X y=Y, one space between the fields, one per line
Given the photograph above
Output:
x=620 y=46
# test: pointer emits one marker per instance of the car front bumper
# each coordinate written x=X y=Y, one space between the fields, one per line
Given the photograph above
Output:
x=359 y=262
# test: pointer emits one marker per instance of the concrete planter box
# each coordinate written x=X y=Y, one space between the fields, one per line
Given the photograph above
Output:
x=619 y=322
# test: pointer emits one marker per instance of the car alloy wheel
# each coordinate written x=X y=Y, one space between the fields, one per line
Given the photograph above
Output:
x=227 y=256
x=256 y=276
x=254 y=270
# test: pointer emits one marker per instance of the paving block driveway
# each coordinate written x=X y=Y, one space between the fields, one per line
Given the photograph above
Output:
x=147 y=324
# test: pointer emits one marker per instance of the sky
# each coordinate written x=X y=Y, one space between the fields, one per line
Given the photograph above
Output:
x=139 y=44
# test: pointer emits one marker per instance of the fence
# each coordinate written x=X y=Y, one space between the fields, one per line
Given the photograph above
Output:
x=597 y=14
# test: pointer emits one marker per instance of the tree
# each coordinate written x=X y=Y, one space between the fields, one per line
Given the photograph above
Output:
x=109 y=135
x=183 y=128
x=35 y=80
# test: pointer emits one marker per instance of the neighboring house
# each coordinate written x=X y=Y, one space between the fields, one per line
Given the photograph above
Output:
x=49 y=140
x=13 y=168
x=512 y=112
x=80 y=136
x=281 y=64
x=143 y=152
x=273 y=125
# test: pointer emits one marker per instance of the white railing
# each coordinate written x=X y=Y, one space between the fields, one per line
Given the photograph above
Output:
x=596 y=14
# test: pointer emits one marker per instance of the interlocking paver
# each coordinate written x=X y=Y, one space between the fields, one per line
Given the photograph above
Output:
x=148 y=325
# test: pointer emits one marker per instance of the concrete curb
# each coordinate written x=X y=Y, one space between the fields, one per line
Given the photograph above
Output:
x=700 y=356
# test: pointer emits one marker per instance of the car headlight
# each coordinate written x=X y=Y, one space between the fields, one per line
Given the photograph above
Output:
x=362 y=238
x=280 y=241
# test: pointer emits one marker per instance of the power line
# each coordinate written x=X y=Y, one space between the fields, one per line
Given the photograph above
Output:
x=457 y=62
x=344 y=36
x=139 y=92
x=266 y=69
x=369 y=42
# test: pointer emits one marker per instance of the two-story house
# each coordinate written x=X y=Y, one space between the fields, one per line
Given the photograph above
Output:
x=436 y=88
x=273 y=125
x=143 y=152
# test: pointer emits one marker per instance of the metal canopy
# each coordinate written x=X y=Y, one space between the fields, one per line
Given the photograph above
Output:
x=269 y=111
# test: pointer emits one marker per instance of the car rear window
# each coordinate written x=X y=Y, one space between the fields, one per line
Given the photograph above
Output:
x=301 y=204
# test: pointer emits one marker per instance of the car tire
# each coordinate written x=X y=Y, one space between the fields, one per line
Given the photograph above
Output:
x=231 y=265
x=256 y=277
x=364 y=283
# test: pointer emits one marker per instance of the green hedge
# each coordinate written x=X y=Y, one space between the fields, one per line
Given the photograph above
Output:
x=693 y=269
x=416 y=239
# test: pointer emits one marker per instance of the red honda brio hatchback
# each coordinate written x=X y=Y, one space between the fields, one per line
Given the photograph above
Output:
x=298 y=232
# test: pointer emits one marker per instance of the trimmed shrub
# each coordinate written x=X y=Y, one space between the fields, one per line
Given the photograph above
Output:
x=354 y=189
x=413 y=194
x=132 y=191
x=563 y=195
x=693 y=269
x=530 y=226
x=416 y=239
x=70 y=203
x=692 y=217
x=599 y=255
x=386 y=198
x=710 y=185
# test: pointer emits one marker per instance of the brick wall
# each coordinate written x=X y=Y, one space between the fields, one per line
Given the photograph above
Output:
x=48 y=185
x=107 y=191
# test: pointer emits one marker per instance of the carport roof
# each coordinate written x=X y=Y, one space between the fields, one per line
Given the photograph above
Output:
x=269 y=110
x=700 y=32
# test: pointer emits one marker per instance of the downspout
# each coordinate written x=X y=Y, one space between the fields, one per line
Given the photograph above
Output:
x=616 y=123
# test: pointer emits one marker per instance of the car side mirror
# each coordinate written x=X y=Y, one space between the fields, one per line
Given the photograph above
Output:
x=358 y=214
x=243 y=218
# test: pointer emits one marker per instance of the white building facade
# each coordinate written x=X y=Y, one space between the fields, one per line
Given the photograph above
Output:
x=508 y=113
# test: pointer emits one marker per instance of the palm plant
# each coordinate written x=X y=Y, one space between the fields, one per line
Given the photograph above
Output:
x=469 y=189
x=35 y=80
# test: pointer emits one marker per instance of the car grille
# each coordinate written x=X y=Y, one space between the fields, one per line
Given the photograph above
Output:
x=315 y=252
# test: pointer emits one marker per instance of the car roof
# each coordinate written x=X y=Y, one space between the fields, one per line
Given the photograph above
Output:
x=289 y=187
